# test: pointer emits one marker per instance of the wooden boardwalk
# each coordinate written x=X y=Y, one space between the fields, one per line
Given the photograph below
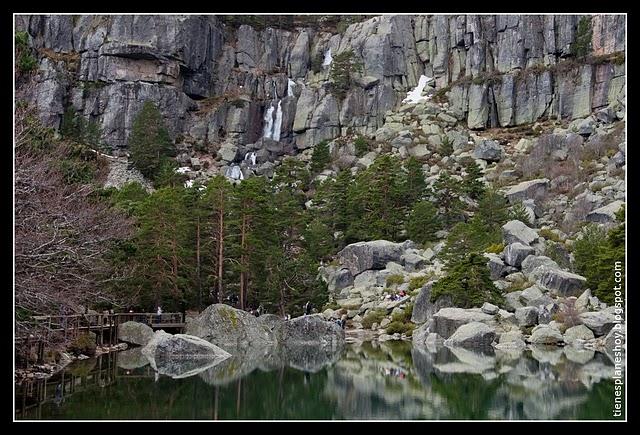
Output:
x=104 y=326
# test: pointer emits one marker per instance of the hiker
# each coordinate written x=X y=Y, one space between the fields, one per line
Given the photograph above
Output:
x=307 y=308
x=343 y=321
x=158 y=314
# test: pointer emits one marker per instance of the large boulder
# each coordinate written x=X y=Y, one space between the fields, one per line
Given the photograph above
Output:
x=600 y=322
x=448 y=320
x=527 y=316
x=546 y=334
x=534 y=265
x=227 y=326
x=361 y=256
x=313 y=329
x=472 y=335
x=516 y=232
x=605 y=214
x=512 y=301
x=561 y=282
x=531 y=189
x=578 y=332
x=135 y=333
x=488 y=150
x=515 y=253
x=496 y=266
x=424 y=309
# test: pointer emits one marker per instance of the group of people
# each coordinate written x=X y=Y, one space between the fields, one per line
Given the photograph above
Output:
x=395 y=296
x=394 y=372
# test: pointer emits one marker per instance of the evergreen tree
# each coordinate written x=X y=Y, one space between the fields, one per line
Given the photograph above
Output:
x=162 y=249
x=216 y=205
x=320 y=157
x=446 y=192
x=416 y=185
x=377 y=202
x=519 y=212
x=423 y=222
x=149 y=142
x=344 y=67
x=468 y=283
x=250 y=222
x=471 y=182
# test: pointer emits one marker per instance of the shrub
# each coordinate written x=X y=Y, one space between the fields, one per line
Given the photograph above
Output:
x=446 y=146
x=372 y=317
x=549 y=235
x=395 y=279
x=495 y=248
x=418 y=282
x=84 y=344
x=405 y=315
x=27 y=63
x=568 y=314
x=400 y=327
x=362 y=146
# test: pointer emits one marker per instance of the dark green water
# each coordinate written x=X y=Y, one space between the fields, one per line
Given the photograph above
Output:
x=390 y=380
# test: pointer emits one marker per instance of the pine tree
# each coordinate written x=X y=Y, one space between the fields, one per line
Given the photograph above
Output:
x=423 y=222
x=251 y=224
x=377 y=202
x=416 y=185
x=344 y=67
x=519 y=212
x=446 y=192
x=471 y=182
x=162 y=248
x=468 y=283
x=149 y=142
x=215 y=205
x=320 y=157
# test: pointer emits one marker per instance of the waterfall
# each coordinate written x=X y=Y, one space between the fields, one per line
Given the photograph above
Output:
x=327 y=58
x=268 y=122
x=251 y=156
x=415 y=95
x=234 y=173
x=290 y=85
x=278 y=124
x=272 y=129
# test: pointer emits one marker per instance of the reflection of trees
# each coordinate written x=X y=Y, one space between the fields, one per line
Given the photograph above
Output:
x=468 y=396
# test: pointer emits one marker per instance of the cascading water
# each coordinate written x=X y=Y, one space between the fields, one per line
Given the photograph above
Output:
x=327 y=58
x=268 y=122
x=278 y=123
x=250 y=156
x=290 y=85
x=234 y=172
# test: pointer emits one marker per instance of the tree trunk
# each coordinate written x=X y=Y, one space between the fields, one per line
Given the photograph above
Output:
x=243 y=273
x=220 y=246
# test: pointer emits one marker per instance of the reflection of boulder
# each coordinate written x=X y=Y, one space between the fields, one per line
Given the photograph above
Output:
x=83 y=367
x=132 y=359
x=422 y=364
x=459 y=360
x=182 y=355
x=310 y=357
x=243 y=361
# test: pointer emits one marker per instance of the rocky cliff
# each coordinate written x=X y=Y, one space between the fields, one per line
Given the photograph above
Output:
x=227 y=90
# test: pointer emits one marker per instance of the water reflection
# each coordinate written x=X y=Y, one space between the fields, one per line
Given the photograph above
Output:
x=390 y=380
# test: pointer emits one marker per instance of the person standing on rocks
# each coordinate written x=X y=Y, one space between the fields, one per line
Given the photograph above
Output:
x=307 y=308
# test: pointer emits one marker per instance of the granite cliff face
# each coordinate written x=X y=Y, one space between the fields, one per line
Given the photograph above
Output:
x=223 y=89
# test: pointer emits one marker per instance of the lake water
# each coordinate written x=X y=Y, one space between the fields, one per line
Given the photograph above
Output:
x=389 y=380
